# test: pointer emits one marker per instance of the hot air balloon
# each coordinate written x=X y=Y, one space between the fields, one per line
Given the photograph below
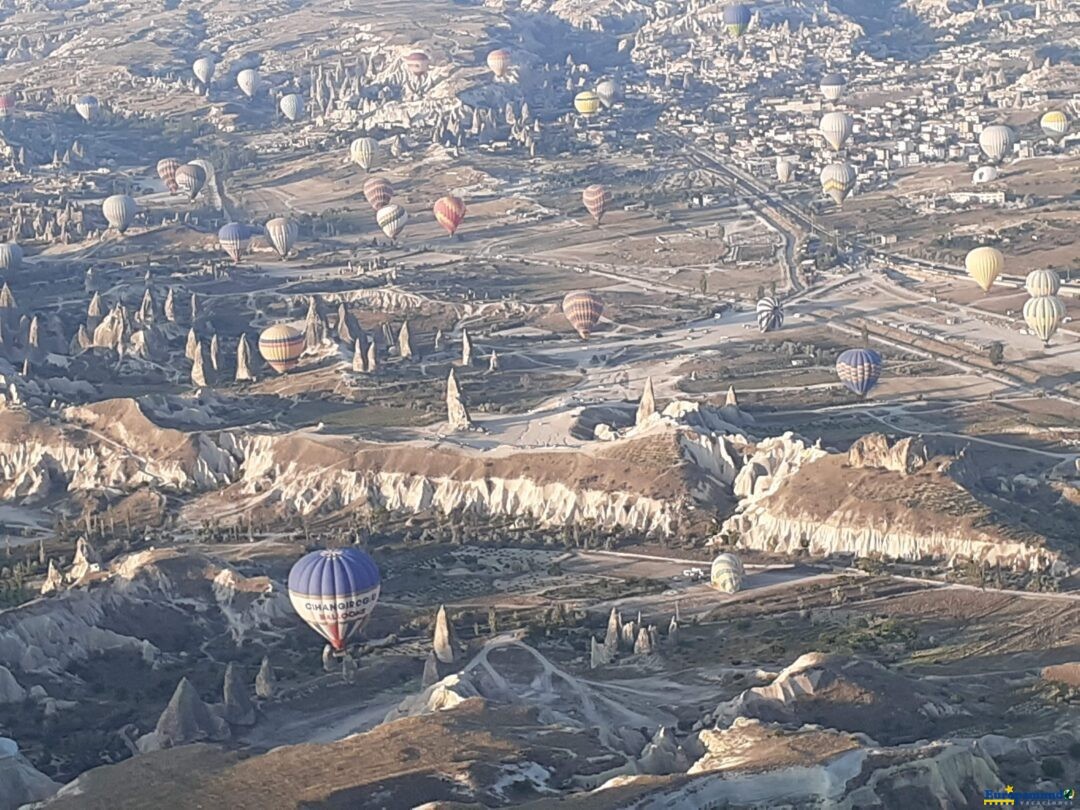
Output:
x=770 y=314
x=233 y=239
x=334 y=591
x=166 y=169
x=449 y=211
x=190 y=179
x=726 y=573
x=119 y=210
x=86 y=107
x=282 y=233
x=837 y=181
x=1043 y=315
x=499 y=62
x=11 y=256
x=607 y=91
x=583 y=309
x=597 y=199
x=984 y=264
x=996 y=142
x=836 y=127
x=737 y=19
x=391 y=218
x=378 y=192
x=785 y=169
x=984 y=174
x=1055 y=124
x=832 y=86
x=587 y=103
x=417 y=63
x=364 y=152
x=7 y=105
x=291 y=106
x=248 y=82
x=1042 y=282
x=281 y=346
x=859 y=370
x=203 y=68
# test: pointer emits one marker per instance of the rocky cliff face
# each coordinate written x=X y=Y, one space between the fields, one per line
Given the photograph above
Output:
x=48 y=634
x=878 y=500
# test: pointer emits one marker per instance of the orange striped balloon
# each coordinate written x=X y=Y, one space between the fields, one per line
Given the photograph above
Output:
x=596 y=199
x=583 y=309
x=449 y=211
x=281 y=346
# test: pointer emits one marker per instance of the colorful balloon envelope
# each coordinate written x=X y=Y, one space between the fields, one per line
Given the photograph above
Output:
x=378 y=192
x=364 y=152
x=86 y=107
x=984 y=264
x=859 y=370
x=190 y=178
x=1043 y=315
x=335 y=591
x=417 y=63
x=1055 y=125
x=770 y=314
x=996 y=142
x=166 y=169
x=449 y=211
x=597 y=199
x=281 y=346
x=119 y=211
x=1043 y=281
x=583 y=309
x=291 y=106
x=11 y=256
x=499 y=62
x=587 y=103
x=737 y=19
x=248 y=82
x=233 y=239
x=391 y=218
x=836 y=127
x=282 y=234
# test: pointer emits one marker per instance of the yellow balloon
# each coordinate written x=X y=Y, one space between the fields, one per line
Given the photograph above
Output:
x=587 y=103
x=984 y=264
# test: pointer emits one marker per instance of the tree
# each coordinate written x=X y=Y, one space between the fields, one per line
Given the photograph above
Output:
x=996 y=352
x=760 y=292
x=704 y=284
x=865 y=331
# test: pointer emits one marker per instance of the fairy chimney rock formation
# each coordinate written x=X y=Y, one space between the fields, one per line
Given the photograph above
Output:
x=647 y=405
x=456 y=414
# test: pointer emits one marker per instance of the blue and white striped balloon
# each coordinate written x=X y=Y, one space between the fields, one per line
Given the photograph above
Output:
x=859 y=370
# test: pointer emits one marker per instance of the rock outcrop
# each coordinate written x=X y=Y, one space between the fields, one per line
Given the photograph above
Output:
x=20 y=782
x=646 y=405
x=186 y=719
x=457 y=416
x=873 y=450
x=444 y=643
x=265 y=680
x=238 y=708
